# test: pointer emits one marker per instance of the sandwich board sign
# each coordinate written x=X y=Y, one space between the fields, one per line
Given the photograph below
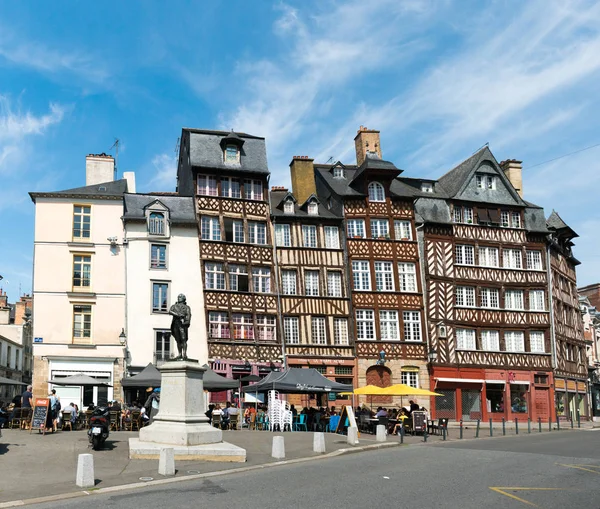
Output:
x=41 y=415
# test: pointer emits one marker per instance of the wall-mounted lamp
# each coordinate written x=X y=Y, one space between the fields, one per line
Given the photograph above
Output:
x=381 y=360
x=122 y=337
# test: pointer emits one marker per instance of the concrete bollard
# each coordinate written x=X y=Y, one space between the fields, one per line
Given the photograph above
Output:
x=278 y=450
x=319 y=442
x=166 y=462
x=352 y=437
x=380 y=437
x=85 y=471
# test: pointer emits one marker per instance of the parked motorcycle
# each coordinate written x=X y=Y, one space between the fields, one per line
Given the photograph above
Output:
x=99 y=427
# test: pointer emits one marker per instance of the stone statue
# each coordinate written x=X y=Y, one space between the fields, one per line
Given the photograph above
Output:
x=182 y=316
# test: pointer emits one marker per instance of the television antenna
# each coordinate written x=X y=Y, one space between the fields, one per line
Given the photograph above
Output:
x=115 y=145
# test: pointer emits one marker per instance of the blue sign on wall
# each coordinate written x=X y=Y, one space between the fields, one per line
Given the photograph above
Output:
x=38 y=340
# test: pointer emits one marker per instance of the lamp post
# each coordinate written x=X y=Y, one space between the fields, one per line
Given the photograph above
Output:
x=432 y=357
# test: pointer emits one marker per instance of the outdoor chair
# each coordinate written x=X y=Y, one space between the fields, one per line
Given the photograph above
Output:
x=441 y=425
x=384 y=421
x=114 y=420
x=66 y=420
x=333 y=423
x=25 y=419
x=300 y=424
x=260 y=422
x=233 y=421
x=132 y=421
x=87 y=417
x=407 y=425
x=364 y=424
x=216 y=420
x=15 y=421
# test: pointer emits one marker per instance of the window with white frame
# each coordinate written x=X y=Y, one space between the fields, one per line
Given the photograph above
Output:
x=318 y=331
x=380 y=228
x=412 y=325
x=288 y=207
x=288 y=282
x=490 y=340
x=82 y=217
x=162 y=345
x=465 y=296
x=218 y=325
x=504 y=218
x=490 y=298
x=513 y=299
x=365 y=324
x=384 y=277
x=361 y=275
x=261 y=279
x=515 y=341
x=427 y=187
x=388 y=325
x=356 y=228
x=407 y=275
x=210 y=229
x=465 y=254
x=313 y=208
x=82 y=267
x=463 y=214
x=537 y=300
x=207 y=185
x=465 y=339
x=488 y=256
x=238 y=231
x=231 y=154
x=485 y=181
x=332 y=237
x=257 y=232
x=231 y=187
x=340 y=331
x=243 y=327
x=160 y=297
x=410 y=378
x=468 y=214
x=515 y=219
x=334 y=283
x=402 y=230
x=290 y=330
x=238 y=278
x=534 y=260
x=156 y=223
x=537 y=342
x=511 y=259
x=283 y=237
x=457 y=214
x=338 y=173
x=82 y=315
x=253 y=190
x=309 y=235
x=265 y=328
x=311 y=283
x=214 y=276
x=376 y=192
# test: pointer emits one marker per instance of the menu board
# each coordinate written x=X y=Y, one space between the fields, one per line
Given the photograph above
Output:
x=41 y=410
x=419 y=421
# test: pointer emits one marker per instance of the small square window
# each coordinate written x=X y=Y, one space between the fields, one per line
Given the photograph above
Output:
x=231 y=154
x=288 y=207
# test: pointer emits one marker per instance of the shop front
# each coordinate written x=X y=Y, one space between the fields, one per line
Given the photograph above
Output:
x=571 y=399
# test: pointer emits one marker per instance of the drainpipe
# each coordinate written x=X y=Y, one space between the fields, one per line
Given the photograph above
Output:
x=551 y=307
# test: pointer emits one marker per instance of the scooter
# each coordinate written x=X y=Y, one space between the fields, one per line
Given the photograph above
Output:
x=99 y=427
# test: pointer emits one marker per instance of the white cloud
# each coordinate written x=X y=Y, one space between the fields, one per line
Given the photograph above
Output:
x=164 y=177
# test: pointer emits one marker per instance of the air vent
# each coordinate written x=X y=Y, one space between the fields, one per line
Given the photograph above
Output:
x=102 y=188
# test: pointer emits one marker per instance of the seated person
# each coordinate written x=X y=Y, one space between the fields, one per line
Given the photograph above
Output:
x=71 y=408
x=401 y=418
x=381 y=412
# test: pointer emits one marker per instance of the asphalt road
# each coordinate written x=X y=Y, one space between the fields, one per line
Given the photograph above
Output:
x=547 y=471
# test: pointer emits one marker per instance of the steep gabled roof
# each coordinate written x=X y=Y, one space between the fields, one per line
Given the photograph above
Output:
x=181 y=208
x=105 y=190
x=556 y=223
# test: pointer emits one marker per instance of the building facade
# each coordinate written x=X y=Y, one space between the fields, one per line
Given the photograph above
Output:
x=591 y=331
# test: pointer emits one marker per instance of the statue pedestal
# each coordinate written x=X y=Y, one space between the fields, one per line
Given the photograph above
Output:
x=180 y=423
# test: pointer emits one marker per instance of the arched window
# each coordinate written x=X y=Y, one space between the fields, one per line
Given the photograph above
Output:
x=376 y=192
x=156 y=223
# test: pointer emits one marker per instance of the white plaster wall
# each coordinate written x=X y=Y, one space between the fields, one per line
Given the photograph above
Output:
x=11 y=364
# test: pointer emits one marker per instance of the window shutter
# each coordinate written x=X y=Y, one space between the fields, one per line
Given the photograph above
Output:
x=494 y=215
x=483 y=215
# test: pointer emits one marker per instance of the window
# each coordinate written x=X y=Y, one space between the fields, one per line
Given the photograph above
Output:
x=288 y=282
x=238 y=231
x=465 y=255
x=534 y=260
x=407 y=274
x=309 y=236
x=162 y=346
x=536 y=342
x=210 y=229
x=318 y=330
x=82 y=271
x=253 y=190
x=313 y=208
x=515 y=341
x=504 y=218
x=463 y=214
x=340 y=333
x=243 y=327
x=485 y=181
x=17 y=359
x=332 y=237
x=457 y=214
x=218 y=324
x=265 y=328
x=156 y=223
x=402 y=230
x=488 y=257
x=257 y=232
x=380 y=228
x=283 y=237
x=412 y=325
x=343 y=370
x=384 y=277
x=238 y=278
x=376 y=192
x=231 y=154
x=338 y=173
x=311 y=283
x=515 y=219
x=513 y=299
x=465 y=339
x=465 y=296
x=511 y=258
x=207 y=185
x=160 y=297
x=365 y=324
x=288 y=207
x=490 y=340
x=334 y=284
x=158 y=256
x=410 y=378
x=82 y=321
x=388 y=324
x=214 y=276
x=427 y=187
x=537 y=301
x=290 y=330
x=361 y=275
x=231 y=187
x=82 y=216
x=261 y=279
x=356 y=228
x=490 y=298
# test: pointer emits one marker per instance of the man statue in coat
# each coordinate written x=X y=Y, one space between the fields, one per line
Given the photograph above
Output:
x=182 y=316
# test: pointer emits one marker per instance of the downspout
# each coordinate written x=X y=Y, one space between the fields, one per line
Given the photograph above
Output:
x=551 y=308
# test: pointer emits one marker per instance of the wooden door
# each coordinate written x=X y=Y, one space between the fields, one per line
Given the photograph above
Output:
x=542 y=404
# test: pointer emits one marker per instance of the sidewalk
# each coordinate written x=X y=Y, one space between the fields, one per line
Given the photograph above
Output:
x=33 y=465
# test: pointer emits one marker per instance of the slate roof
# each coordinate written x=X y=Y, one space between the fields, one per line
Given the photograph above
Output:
x=299 y=212
x=556 y=223
x=106 y=190
x=181 y=208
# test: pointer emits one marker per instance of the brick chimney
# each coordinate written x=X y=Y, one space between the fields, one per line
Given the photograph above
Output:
x=303 y=178
x=99 y=168
x=20 y=307
x=513 y=170
x=366 y=140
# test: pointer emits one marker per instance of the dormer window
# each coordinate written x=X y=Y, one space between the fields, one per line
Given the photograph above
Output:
x=313 y=208
x=338 y=173
x=485 y=181
x=288 y=207
x=427 y=187
x=232 y=154
x=156 y=223
x=376 y=192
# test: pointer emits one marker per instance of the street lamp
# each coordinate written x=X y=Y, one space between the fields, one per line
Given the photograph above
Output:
x=381 y=360
x=432 y=355
x=122 y=337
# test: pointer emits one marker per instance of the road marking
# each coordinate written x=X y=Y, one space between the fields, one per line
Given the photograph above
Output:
x=500 y=489
x=582 y=467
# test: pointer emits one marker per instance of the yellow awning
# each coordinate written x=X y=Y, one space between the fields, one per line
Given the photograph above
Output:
x=407 y=390
x=368 y=390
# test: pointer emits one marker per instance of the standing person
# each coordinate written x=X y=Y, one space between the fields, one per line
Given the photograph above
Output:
x=54 y=408
x=27 y=398
x=152 y=404
x=413 y=406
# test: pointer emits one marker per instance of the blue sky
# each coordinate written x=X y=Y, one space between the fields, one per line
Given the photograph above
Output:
x=438 y=78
